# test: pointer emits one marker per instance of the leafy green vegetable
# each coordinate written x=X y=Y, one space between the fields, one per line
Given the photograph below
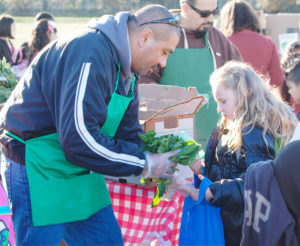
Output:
x=161 y=188
x=163 y=144
x=187 y=155
x=8 y=80
x=4 y=94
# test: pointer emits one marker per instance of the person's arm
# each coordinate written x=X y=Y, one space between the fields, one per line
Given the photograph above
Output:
x=226 y=193
x=81 y=110
x=233 y=52
x=4 y=52
x=276 y=75
x=229 y=193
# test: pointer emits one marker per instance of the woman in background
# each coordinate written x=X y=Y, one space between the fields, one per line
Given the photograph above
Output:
x=43 y=33
x=7 y=32
x=240 y=24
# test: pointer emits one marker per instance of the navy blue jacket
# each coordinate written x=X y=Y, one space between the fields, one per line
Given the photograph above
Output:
x=228 y=173
x=67 y=89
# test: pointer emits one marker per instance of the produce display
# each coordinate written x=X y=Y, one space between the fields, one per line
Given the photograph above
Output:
x=8 y=80
x=186 y=156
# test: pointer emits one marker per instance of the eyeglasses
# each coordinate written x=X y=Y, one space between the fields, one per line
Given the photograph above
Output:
x=174 y=20
x=204 y=13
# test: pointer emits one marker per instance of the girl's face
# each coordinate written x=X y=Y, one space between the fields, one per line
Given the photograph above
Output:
x=52 y=36
x=227 y=101
x=51 y=32
x=13 y=30
x=294 y=90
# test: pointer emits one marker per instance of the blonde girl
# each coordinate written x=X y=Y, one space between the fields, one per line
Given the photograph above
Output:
x=252 y=118
x=256 y=105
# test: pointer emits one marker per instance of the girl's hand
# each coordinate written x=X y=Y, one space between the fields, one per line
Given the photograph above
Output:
x=197 y=166
x=208 y=194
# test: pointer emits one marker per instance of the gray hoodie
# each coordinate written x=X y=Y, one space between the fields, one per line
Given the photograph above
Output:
x=115 y=29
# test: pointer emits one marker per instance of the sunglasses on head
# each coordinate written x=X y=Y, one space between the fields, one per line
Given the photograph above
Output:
x=204 y=13
x=174 y=20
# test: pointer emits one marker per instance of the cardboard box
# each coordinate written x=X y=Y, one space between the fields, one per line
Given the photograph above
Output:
x=170 y=110
x=167 y=110
x=281 y=23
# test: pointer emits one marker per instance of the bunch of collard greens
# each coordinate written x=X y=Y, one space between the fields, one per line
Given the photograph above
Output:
x=167 y=143
x=8 y=80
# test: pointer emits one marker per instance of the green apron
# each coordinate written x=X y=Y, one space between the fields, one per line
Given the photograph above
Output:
x=192 y=68
x=60 y=191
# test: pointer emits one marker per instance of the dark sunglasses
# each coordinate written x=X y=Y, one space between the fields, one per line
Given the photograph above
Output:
x=174 y=20
x=204 y=13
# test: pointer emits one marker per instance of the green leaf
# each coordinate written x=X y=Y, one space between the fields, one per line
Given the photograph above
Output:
x=143 y=138
x=160 y=191
x=174 y=168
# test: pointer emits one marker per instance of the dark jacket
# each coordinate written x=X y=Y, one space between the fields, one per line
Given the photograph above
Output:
x=267 y=218
x=228 y=172
x=67 y=89
x=5 y=51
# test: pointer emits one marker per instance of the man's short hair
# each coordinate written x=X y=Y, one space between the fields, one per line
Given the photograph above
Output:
x=154 y=12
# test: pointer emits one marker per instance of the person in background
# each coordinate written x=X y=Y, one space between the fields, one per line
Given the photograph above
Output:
x=201 y=49
x=292 y=49
x=272 y=195
x=23 y=56
x=253 y=120
x=43 y=33
x=240 y=23
x=74 y=117
x=291 y=68
x=44 y=15
x=7 y=32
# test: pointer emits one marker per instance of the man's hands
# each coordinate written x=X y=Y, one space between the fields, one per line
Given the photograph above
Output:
x=184 y=187
x=159 y=165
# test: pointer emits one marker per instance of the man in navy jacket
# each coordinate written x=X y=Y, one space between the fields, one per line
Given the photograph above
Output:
x=66 y=90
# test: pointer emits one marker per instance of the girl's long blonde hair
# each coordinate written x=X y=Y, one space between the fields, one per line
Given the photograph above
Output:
x=256 y=105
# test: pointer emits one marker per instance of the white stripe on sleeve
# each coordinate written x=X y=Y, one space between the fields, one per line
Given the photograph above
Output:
x=86 y=136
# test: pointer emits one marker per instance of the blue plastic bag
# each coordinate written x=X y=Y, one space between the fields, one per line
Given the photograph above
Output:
x=201 y=223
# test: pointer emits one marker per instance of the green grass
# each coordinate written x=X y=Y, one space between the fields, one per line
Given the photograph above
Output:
x=65 y=25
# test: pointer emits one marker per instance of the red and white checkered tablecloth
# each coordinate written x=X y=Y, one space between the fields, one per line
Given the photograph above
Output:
x=138 y=221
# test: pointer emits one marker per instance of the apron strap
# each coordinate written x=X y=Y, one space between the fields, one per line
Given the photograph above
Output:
x=206 y=40
x=15 y=137
x=131 y=93
x=186 y=44
x=118 y=74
